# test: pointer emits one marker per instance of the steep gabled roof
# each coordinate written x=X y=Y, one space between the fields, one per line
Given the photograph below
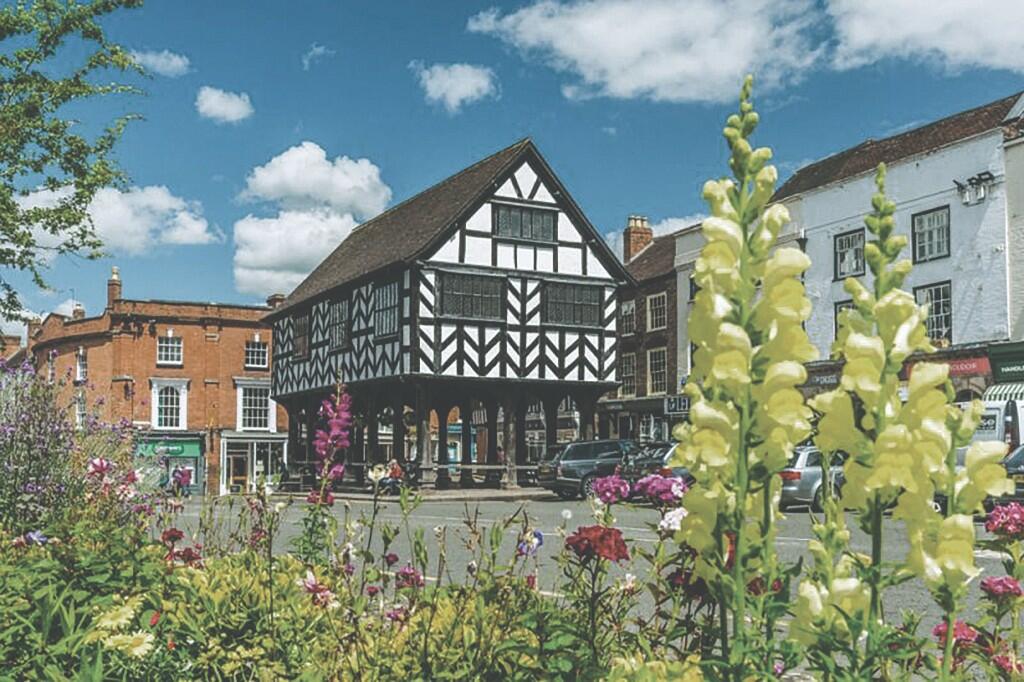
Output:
x=867 y=155
x=406 y=231
x=657 y=259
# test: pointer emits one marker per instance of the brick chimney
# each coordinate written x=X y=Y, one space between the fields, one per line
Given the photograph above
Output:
x=114 y=286
x=9 y=345
x=34 y=325
x=275 y=300
x=78 y=312
x=635 y=237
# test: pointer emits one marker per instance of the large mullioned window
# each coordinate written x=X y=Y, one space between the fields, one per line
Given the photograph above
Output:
x=523 y=222
x=849 y=254
x=385 y=310
x=931 y=235
x=939 y=298
x=472 y=296
x=572 y=304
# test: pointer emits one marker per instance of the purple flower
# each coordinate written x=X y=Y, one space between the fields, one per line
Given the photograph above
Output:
x=1007 y=521
x=408 y=576
x=337 y=472
x=997 y=588
x=664 y=490
x=531 y=542
x=35 y=537
x=611 y=489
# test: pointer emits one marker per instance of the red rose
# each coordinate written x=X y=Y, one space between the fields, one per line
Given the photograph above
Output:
x=605 y=543
x=154 y=619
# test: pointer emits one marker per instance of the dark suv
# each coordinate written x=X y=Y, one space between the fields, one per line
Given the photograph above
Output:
x=572 y=472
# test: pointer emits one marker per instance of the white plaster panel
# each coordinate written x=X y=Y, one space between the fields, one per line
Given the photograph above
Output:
x=481 y=220
x=594 y=267
x=570 y=260
x=543 y=194
x=567 y=232
x=525 y=257
x=478 y=251
x=507 y=190
x=526 y=178
x=545 y=259
x=506 y=256
x=449 y=251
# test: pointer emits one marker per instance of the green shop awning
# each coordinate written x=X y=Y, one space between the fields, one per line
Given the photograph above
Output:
x=1013 y=390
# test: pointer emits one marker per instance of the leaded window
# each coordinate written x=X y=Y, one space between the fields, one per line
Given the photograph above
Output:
x=931 y=235
x=657 y=312
x=169 y=350
x=939 y=299
x=849 y=254
x=341 y=328
x=572 y=304
x=256 y=354
x=168 y=408
x=523 y=222
x=627 y=314
x=255 y=408
x=81 y=364
x=81 y=413
x=385 y=310
x=628 y=373
x=472 y=296
x=657 y=371
x=300 y=336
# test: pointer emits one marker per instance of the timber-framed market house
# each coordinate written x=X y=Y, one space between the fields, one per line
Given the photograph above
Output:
x=490 y=289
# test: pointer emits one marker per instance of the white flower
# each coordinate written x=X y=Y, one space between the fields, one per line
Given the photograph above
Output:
x=566 y=514
x=471 y=567
x=376 y=473
x=628 y=583
x=672 y=520
x=279 y=507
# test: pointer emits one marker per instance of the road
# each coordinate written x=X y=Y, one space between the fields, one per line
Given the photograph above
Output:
x=549 y=516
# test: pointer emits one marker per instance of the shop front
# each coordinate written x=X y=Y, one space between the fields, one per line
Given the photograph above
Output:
x=970 y=374
x=164 y=454
x=246 y=458
x=642 y=419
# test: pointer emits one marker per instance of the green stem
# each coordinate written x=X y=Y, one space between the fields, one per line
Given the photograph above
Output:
x=947 y=656
x=876 y=560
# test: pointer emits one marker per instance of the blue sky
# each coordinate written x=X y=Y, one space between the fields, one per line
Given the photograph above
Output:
x=252 y=162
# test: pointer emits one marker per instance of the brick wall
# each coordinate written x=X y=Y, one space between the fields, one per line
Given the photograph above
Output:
x=642 y=340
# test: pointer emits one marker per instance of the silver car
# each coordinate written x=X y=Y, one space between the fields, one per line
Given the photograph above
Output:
x=801 y=479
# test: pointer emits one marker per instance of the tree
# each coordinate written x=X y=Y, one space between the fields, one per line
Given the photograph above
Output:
x=50 y=168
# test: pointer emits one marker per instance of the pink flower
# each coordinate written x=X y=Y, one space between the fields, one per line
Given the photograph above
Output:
x=665 y=490
x=337 y=472
x=171 y=536
x=1008 y=664
x=391 y=558
x=372 y=590
x=397 y=615
x=99 y=467
x=320 y=594
x=963 y=634
x=1003 y=586
x=314 y=498
x=531 y=581
x=1006 y=521
x=408 y=576
x=611 y=489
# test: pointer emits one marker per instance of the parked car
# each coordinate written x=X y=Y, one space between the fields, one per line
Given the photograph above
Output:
x=802 y=478
x=653 y=458
x=572 y=472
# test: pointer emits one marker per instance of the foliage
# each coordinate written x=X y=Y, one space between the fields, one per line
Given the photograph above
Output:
x=50 y=168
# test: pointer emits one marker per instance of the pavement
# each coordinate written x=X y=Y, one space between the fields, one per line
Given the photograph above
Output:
x=454 y=494
x=445 y=515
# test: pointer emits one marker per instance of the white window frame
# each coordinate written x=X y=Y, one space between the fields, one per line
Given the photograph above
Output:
x=81 y=409
x=650 y=311
x=650 y=374
x=266 y=354
x=837 y=260
x=922 y=296
x=623 y=374
x=182 y=386
x=244 y=383
x=926 y=237
x=627 y=311
x=81 y=364
x=169 y=341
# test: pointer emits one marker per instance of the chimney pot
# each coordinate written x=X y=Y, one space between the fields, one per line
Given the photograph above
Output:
x=275 y=300
x=78 y=312
x=114 y=286
x=635 y=237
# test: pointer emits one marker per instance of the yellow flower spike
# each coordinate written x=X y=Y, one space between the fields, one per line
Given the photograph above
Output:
x=723 y=230
x=784 y=302
x=926 y=375
x=785 y=264
x=716 y=193
x=764 y=185
x=774 y=218
x=717 y=416
x=983 y=475
x=787 y=341
x=784 y=374
x=730 y=370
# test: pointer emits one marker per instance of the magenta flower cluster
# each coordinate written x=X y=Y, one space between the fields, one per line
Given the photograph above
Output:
x=662 y=490
x=1007 y=521
x=998 y=588
x=337 y=412
x=408 y=576
x=611 y=489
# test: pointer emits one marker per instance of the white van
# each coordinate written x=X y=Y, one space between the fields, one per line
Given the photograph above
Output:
x=1001 y=421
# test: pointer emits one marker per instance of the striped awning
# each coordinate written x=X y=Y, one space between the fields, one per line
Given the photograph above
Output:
x=1013 y=390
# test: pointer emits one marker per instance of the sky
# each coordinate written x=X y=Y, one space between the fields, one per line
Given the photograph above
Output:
x=270 y=129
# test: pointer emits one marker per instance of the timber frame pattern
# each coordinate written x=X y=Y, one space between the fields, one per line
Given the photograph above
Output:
x=489 y=289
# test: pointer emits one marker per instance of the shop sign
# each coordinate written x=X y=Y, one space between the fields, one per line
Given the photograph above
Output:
x=959 y=367
x=677 y=404
x=169 y=448
x=1007 y=362
x=831 y=379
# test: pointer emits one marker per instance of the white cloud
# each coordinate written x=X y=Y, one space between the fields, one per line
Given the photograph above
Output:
x=954 y=33
x=223 y=106
x=65 y=307
x=664 y=50
x=314 y=54
x=303 y=177
x=610 y=130
x=319 y=202
x=273 y=255
x=453 y=85
x=164 y=62
x=132 y=221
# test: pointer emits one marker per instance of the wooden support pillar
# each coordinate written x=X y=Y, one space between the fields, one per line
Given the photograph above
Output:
x=444 y=478
x=466 y=415
x=551 y=404
x=603 y=425
x=521 y=451
x=508 y=423
x=492 y=476
x=359 y=449
x=586 y=405
x=425 y=457
x=372 y=432
x=398 y=431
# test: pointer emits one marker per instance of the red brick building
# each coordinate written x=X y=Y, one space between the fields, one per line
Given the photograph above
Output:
x=648 y=402
x=192 y=378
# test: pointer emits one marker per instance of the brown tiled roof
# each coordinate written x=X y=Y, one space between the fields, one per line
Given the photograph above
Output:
x=867 y=155
x=657 y=259
x=401 y=232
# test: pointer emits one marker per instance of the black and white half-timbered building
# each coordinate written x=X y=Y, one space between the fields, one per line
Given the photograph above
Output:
x=489 y=290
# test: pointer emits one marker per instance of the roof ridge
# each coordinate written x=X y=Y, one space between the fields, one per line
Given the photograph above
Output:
x=441 y=182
